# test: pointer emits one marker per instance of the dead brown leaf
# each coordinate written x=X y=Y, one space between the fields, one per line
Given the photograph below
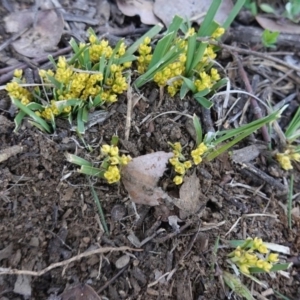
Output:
x=141 y=175
x=43 y=35
x=80 y=291
x=190 y=9
x=190 y=196
x=143 y=8
x=278 y=25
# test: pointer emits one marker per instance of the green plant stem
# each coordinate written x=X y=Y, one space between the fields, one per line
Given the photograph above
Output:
x=101 y=214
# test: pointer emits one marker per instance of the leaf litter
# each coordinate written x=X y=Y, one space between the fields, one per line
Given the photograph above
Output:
x=45 y=28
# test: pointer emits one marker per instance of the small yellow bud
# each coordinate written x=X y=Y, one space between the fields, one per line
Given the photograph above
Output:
x=179 y=168
x=273 y=257
x=174 y=160
x=187 y=164
x=18 y=73
x=244 y=268
x=114 y=151
x=105 y=149
x=178 y=180
x=177 y=146
x=147 y=40
x=197 y=160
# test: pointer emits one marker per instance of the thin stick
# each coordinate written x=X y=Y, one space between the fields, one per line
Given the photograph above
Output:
x=266 y=56
x=9 y=271
x=254 y=104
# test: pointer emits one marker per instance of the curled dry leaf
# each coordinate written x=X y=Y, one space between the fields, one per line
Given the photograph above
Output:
x=141 y=175
x=283 y=26
x=143 y=8
x=43 y=35
x=80 y=291
x=190 y=196
x=191 y=9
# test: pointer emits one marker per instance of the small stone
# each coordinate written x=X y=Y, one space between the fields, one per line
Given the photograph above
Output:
x=34 y=242
x=86 y=240
x=122 y=261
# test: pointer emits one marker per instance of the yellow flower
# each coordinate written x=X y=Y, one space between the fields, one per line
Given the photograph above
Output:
x=260 y=264
x=105 y=149
x=18 y=73
x=113 y=68
x=257 y=242
x=295 y=156
x=187 y=164
x=147 y=40
x=197 y=160
x=179 y=168
x=267 y=266
x=218 y=32
x=273 y=257
x=92 y=39
x=263 y=249
x=114 y=151
x=244 y=268
x=174 y=160
x=113 y=160
x=177 y=146
x=125 y=159
x=178 y=180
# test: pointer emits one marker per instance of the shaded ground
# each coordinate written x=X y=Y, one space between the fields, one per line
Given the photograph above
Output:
x=48 y=214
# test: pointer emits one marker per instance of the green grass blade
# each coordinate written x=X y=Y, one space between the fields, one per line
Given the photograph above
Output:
x=32 y=114
x=237 y=286
x=219 y=84
x=151 y=33
x=80 y=123
x=175 y=24
x=198 y=129
x=203 y=101
x=206 y=28
x=125 y=59
x=92 y=171
x=191 y=49
x=162 y=48
x=18 y=120
x=197 y=57
x=101 y=214
x=294 y=125
x=190 y=84
x=183 y=91
x=234 y=12
x=77 y=160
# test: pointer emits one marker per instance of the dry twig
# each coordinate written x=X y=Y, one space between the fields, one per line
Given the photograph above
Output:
x=9 y=271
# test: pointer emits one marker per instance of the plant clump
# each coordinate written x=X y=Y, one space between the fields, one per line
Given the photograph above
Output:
x=253 y=253
x=180 y=164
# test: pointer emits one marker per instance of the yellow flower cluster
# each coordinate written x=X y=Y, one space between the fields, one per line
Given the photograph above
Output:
x=16 y=91
x=77 y=84
x=145 y=55
x=198 y=152
x=170 y=75
x=250 y=255
x=112 y=173
x=285 y=158
x=98 y=49
x=180 y=166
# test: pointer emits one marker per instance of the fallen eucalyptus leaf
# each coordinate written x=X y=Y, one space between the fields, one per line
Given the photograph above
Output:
x=44 y=33
x=143 y=8
x=141 y=175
